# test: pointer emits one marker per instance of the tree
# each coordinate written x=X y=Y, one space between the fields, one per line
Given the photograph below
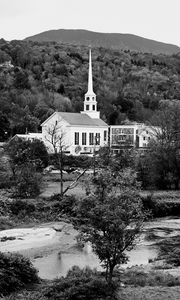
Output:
x=21 y=80
x=17 y=272
x=163 y=158
x=4 y=128
x=125 y=158
x=55 y=135
x=25 y=151
x=25 y=121
x=111 y=217
x=27 y=159
x=27 y=181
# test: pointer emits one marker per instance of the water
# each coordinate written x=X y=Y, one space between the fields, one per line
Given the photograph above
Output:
x=55 y=265
x=51 y=264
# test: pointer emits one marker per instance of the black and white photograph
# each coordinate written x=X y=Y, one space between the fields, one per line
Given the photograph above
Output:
x=90 y=150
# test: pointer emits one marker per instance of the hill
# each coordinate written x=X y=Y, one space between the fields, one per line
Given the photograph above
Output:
x=117 y=41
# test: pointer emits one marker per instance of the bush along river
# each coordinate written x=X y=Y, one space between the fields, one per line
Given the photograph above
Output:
x=53 y=248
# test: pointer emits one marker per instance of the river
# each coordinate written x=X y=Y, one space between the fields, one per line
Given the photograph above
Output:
x=53 y=250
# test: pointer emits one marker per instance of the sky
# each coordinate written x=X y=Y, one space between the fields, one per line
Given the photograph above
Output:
x=153 y=19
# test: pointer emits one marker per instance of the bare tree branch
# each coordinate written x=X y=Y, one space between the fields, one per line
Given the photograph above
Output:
x=73 y=184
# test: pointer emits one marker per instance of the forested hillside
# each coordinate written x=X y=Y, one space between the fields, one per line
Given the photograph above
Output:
x=44 y=77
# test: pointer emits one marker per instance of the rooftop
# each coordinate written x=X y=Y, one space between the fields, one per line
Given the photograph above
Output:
x=78 y=119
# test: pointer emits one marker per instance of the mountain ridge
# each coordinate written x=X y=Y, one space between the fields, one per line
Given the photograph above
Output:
x=116 y=41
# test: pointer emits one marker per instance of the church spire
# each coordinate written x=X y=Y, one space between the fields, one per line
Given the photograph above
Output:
x=90 y=103
x=90 y=80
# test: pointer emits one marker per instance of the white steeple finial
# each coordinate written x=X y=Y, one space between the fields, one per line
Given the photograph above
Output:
x=90 y=81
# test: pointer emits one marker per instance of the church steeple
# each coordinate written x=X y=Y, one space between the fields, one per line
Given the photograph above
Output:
x=90 y=103
x=90 y=80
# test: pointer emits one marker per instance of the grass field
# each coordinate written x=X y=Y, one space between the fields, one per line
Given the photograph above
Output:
x=125 y=293
x=51 y=185
x=51 y=188
x=149 y=293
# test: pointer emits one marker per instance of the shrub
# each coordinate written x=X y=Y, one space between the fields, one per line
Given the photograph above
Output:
x=85 y=284
x=82 y=161
x=23 y=152
x=169 y=250
x=27 y=182
x=5 y=223
x=18 y=206
x=15 y=272
x=5 y=181
x=161 y=207
x=66 y=204
x=174 y=257
x=153 y=278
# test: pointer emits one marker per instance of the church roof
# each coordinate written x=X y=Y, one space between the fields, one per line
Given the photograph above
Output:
x=77 y=119
x=81 y=119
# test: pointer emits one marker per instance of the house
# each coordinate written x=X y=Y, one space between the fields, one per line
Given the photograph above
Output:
x=136 y=135
x=31 y=136
x=77 y=133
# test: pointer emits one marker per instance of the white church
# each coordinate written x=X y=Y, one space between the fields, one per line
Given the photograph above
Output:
x=77 y=133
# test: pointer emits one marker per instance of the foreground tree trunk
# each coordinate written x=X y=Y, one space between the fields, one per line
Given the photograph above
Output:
x=60 y=161
x=110 y=270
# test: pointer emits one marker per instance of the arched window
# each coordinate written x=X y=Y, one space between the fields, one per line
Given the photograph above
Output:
x=87 y=98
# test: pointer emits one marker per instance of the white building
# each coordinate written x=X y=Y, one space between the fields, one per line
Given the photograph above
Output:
x=31 y=136
x=136 y=135
x=77 y=133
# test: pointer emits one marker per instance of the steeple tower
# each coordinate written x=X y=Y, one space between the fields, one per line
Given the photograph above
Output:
x=90 y=80
x=90 y=103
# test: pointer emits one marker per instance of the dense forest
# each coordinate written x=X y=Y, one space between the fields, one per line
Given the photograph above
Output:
x=43 y=77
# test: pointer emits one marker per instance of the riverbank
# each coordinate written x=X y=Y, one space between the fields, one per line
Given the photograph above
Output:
x=53 y=248
x=57 y=240
x=39 y=240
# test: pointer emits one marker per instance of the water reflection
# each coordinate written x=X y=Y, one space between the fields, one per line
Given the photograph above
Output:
x=53 y=265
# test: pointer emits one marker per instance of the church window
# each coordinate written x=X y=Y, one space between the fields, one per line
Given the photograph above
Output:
x=92 y=98
x=105 y=135
x=87 y=107
x=91 y=138
x=97 y=138
x=76 y=138
x=93 y=107
x=83 y=138
x=87 y=98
